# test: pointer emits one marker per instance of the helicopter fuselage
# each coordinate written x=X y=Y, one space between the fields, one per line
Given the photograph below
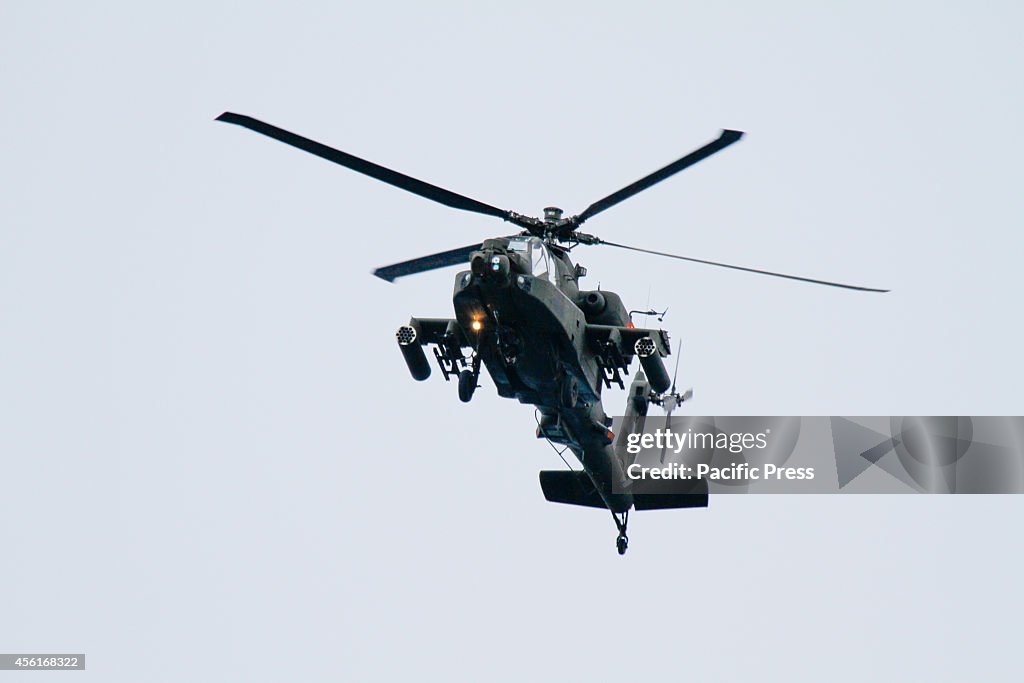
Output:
x=520 y=307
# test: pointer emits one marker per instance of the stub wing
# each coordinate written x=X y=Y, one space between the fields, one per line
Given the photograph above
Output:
x=440 y=331
x=615 y=346
x=444 y=334
x=624 y=339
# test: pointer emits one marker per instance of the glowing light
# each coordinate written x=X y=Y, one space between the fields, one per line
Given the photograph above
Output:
x=631 y=326
x=476 y=325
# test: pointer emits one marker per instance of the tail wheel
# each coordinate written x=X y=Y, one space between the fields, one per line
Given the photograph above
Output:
x=467 y=385
x=621 y=543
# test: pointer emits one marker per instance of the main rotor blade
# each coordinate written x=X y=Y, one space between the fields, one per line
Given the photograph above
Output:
x=424 y=263
x=423 y=189
x=724 y=140
x=748 y=270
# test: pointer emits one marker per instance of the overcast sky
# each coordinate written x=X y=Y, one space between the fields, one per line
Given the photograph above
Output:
x=216 y=466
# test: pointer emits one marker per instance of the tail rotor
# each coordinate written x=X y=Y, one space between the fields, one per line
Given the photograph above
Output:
x=670 y=400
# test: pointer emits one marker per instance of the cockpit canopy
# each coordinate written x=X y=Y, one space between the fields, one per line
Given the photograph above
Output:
x=535 y=252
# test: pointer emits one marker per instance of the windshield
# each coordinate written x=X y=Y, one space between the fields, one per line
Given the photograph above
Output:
x=536 y=254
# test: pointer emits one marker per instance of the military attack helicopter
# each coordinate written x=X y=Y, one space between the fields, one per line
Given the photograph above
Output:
x=520 y=313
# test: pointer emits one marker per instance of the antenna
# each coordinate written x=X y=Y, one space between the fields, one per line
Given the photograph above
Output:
x=659 y=315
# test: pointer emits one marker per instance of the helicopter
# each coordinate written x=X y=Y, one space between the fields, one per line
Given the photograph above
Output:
x=521 y=314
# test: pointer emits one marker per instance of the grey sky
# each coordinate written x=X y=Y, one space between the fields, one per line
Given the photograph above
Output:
x=217 y=467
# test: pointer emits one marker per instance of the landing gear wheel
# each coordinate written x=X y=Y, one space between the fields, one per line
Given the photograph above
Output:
x=570 y=392
x=467 y=385
x=621 y=543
